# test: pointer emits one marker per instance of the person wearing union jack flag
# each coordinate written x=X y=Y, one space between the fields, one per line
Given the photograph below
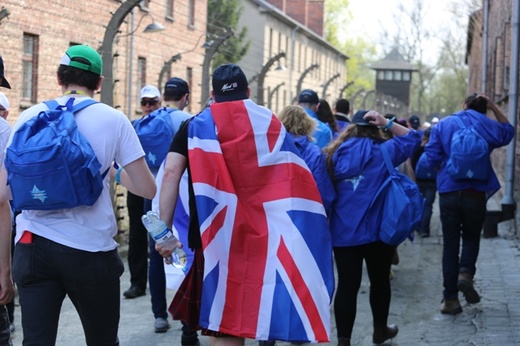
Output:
x=263 y=258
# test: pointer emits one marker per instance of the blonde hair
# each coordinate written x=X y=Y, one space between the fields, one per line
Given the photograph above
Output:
x=297 y=122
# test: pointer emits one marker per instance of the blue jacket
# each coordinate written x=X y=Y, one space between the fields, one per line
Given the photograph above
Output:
x=342 y=120
x=322 y=134
x=359 y=171
x=438 y=149
x=315 y=160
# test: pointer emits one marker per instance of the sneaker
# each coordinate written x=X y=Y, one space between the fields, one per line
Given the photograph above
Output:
x=134 y=292
x=161 y=325
x=465 y=285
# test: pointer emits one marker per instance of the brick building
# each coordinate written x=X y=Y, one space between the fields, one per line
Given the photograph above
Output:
x=36 y=34
x=497 y=87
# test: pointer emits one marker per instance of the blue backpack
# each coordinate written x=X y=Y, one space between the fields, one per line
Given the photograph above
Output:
x=50 y=165
x=423 y=171
x=469 y=154
x=399 y=203
x=155 y=132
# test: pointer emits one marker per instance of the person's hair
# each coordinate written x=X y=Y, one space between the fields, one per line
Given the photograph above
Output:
x=351 y=131
x=70 y=75
x=426 y=136
x=342 y=106
x=476 y=103
x=173 y=97
x=325 y=115
x=297 y=122
x=311 y=106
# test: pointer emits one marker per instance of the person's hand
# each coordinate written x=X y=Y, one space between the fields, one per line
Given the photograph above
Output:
x=375 y=118
x=6 y=289
x=166 y=250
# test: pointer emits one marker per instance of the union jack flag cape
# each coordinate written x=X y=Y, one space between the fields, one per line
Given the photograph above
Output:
x=268 y=271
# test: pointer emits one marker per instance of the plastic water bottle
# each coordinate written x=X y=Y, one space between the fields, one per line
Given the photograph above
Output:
x=164 y=236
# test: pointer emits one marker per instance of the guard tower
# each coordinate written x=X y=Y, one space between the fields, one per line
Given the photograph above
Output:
x=393 y=76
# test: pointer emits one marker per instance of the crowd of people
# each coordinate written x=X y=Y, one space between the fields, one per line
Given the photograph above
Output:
x=275 y=201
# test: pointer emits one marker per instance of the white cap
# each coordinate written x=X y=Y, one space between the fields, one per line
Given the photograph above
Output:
x=149 y=91
x=435 y=120
x=4 y=102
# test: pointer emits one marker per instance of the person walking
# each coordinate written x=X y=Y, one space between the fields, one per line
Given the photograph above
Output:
x=308 y=99
x=6 y=281
x=358 y=169
x=341 y=112
x=462 y=202
x=301 y=127
x=325 y=115
x=137 y=235
x=72 y=251
x=176 y=97
x=252 y=199
x=426 y=180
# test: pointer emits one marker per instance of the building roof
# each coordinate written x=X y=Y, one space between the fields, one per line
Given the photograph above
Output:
x=274 y=11
x=393 y=61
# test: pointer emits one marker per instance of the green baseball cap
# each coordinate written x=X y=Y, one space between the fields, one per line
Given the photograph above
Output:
x=83 y=57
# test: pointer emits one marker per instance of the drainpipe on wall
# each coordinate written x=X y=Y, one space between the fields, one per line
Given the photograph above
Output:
x=291 y=69
x=485 y=23
x=508 y=201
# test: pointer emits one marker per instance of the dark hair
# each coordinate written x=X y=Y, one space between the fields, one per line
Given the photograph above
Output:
x=351 y=131
x=325 y=115
x=342 y=106
x=173 y=97
x=476 y=103
x=70 y=75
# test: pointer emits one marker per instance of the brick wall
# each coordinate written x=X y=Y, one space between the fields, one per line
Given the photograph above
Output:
x=497 y=86
x=59 y=23
x=315 y=13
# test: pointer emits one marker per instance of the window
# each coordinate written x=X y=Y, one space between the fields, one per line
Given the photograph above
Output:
x=191 y=17
x=388 y=75
x=397 y=75
x=30 y=68
x=141 y=79
x=169 y=9
x=381 y=75
x=406 y=75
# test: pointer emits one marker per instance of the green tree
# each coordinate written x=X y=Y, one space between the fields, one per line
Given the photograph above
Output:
x=224 y=14
x=360 y=52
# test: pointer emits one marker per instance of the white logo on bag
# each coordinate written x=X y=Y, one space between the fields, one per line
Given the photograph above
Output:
x=39 y=194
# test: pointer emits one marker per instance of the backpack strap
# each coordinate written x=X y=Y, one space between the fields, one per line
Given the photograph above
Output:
x=386 y=157
x=52 y=104
x=82 y=105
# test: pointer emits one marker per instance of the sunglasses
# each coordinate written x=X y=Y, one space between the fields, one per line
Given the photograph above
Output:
x=149 y=102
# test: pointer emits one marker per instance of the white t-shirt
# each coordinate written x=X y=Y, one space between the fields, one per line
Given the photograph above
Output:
x=112 y=136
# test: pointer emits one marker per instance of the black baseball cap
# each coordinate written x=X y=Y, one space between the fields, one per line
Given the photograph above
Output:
x=4 y=83
x=176 y=86
x=229 y=83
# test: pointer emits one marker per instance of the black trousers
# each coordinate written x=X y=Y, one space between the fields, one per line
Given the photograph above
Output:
x=349 y=263
x=137 y=242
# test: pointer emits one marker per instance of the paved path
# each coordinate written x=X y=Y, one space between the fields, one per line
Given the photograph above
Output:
x=416 y=296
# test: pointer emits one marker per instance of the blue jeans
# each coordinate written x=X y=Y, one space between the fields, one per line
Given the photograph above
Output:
x=462 y=215
x=428 y=190
x=45 y=271
x=5 y=334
